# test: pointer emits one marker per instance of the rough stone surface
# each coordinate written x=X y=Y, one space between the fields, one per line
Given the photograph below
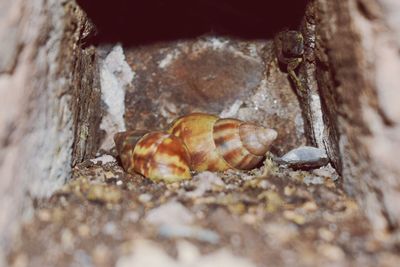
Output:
x=217 y=75
x=270 y=216
x=115 y=76
x=38 y=53
x=358 y=75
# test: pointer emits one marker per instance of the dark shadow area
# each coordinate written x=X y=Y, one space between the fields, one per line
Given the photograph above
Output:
x=147 y=21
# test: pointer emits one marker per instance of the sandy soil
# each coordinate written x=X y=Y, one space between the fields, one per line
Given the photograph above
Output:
x=271 y=216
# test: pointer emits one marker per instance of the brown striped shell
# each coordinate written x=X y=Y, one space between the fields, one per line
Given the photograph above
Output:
x=216 y=144
x=155 y=155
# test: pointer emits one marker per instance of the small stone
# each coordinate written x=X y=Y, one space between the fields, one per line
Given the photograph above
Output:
x=289 y=190
x=148 y=253
x=187 y=252
x=274 y=200
x=103 y=159
x=81 y=258
x=101 y=255
x=145 y=197
x=313 y=180
x=104 y=194
x=326 y=171
x=83 y=230
x=67 y=239
x=132 y=216
x=332 y=252
x=237 y=208
x=325 y=234
x=304 y=157
x=44 y=215
x=249 y=218
x=281 y=232
x=264 y=184
x=170 y=213
x=329 y=183
x=110 y=229
x=184 y=231
x=109 y=175
x=205 y=181
x=294 y=217
x=310 y=206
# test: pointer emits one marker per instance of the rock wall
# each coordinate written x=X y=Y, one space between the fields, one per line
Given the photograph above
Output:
x=358 y=67
x=39 y=56
x=51 y=111
x=225 y=76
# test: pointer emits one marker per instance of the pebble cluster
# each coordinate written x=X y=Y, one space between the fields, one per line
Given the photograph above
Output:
x=271 y=216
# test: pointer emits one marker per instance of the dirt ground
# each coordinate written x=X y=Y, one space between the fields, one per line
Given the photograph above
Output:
x=271 y=216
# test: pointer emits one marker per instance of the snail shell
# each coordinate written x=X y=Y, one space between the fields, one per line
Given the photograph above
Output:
x=196 y=142
x=155 y=155
x=216 y=144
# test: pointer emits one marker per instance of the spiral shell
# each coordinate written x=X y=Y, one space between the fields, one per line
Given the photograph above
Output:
x=196 y=142
x=216 y=144
x=155 y=155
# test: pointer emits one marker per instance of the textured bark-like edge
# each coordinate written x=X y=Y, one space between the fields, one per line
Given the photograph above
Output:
x=87 y=107
x=318 y=105
x=309 y=98
x=85 y=88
